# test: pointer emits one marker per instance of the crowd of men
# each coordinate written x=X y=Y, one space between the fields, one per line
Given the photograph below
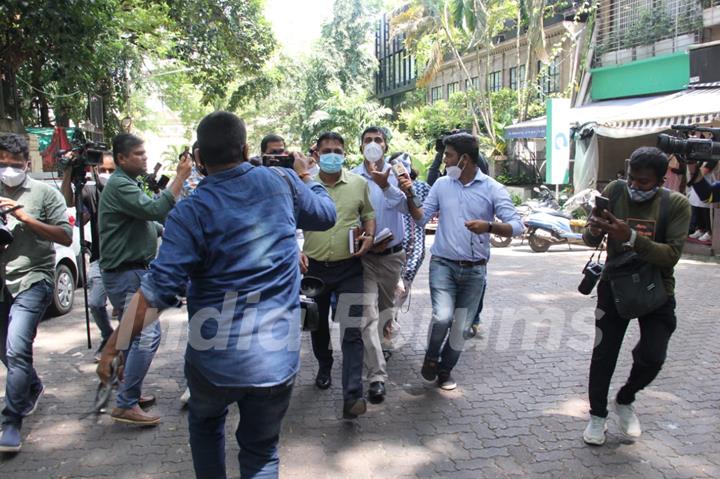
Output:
x=229 y=249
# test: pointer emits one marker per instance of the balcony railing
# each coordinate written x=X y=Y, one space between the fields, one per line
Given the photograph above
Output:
x=630 y=30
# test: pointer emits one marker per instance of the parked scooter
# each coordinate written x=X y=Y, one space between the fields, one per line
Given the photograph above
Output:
x=545 y=202
x=545 y=229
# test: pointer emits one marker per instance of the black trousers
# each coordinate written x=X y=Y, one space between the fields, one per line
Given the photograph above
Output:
x=648 y=355
x=345 y=279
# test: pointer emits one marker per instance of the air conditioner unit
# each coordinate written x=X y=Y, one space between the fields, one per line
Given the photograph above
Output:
x=704 y=64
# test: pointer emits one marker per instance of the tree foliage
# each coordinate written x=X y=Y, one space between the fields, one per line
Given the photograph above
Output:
x=64 y=51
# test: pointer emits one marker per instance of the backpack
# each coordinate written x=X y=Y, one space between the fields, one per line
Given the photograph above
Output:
x=637 y=285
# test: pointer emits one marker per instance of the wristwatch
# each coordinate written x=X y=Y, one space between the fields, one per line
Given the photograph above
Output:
x=630 y=244
x=490 y=226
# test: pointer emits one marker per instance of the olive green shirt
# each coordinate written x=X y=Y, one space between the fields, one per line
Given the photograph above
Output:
x=643 y=218
x=126 y=219
x=30 y=258
x=351 y=195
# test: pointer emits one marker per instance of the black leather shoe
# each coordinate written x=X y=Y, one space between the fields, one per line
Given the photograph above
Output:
x=354 y=408
x=323 y=379
x=376 y=392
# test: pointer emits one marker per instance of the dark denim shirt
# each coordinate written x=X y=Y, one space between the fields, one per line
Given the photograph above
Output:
x=234 y=242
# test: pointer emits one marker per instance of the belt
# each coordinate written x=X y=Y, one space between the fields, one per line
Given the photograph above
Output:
x=335 y=264
x=464 y=264
x=129 y=266
x=387 y=251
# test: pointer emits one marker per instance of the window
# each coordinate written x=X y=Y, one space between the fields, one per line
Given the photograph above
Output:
x=475 y=83
x=495 y=80
x=452 y=88
x=549 y=77
x=435 y=94
x=517 y=78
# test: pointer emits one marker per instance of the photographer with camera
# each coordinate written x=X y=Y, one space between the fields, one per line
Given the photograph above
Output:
x=128 y=242
x=434 y=169
x=645 y=226
x=88 y=212
x=233 y=242
x=39 y=219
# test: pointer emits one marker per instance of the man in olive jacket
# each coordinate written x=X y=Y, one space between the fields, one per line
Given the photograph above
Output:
x=633 y=226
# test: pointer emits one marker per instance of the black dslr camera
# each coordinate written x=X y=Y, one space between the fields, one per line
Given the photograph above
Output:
x=591 y=275
x=440 y=141
x=688 y=149
x=6 y=236
x=310 y=288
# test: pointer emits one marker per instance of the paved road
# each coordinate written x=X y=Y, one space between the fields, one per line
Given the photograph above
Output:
x=519 y=410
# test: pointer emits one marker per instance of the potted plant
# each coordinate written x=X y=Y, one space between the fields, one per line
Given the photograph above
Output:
x=661 y=32
x=638 y=35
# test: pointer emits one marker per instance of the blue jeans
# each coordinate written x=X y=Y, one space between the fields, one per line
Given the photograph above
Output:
x=120 y=287
x=19 y=319
x=261 y=413
x=97 y=301
x=455 y=292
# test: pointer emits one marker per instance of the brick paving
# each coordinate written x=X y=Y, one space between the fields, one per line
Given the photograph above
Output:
x=519 y=410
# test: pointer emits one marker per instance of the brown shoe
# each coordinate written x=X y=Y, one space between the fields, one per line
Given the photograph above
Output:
x=146 y=401
x=134 y=416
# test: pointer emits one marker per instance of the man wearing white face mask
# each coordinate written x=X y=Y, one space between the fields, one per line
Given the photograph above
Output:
x=384 y=262
x=468 y=202
x=97 y=298
x=39 y=220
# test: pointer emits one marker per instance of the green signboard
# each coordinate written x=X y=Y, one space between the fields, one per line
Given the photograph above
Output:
x=557 y=144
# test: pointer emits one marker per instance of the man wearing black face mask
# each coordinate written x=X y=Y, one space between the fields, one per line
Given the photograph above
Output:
x=638 y=202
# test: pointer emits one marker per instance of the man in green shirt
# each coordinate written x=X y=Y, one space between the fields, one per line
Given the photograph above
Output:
x=327 y=256
x=29 y=265
x=128 y=242
x=633 y=225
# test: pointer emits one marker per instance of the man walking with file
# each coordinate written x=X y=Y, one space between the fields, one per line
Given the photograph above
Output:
x=384 y=262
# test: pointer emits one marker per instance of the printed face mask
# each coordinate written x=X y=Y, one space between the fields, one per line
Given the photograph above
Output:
x=640 y=196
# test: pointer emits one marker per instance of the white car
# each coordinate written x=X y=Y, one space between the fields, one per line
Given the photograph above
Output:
x=67 y=259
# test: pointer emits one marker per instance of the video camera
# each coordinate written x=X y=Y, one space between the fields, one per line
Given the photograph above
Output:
x=689 y=149
x=439 y=143
x=84 y=154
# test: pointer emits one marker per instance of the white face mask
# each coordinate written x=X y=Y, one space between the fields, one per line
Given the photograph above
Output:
x=314 y=170
x=373 y=152
x=12 y=177
x=104 y=176
x=454 y=172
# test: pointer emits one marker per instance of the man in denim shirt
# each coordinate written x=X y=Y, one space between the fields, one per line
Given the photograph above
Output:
x=468 y=202
x=234 y=241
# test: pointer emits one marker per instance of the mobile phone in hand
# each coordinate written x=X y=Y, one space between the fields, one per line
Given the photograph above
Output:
x=601 y=205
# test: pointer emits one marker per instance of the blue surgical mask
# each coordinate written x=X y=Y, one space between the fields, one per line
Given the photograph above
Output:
x=331 y=163
x=640 y=196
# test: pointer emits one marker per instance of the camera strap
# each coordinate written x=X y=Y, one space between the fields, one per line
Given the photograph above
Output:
x=599 y=251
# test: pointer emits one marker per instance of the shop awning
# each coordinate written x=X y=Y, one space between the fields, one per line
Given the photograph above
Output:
x=695 y=106
x=591 y=113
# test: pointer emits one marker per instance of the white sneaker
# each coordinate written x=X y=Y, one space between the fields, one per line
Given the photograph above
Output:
x=707 y=237
x=696 y=234
x=595 y=431
x=628 y=421
x=185 y=396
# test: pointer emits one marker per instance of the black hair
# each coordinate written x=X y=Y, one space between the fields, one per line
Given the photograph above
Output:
x=15 y=144
x=330 y=136
x=374 y=129
x=124 y=143
x=650 y=158
x=464 y=144
x=221 y=138
x=413 y=174
x=271 y=138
